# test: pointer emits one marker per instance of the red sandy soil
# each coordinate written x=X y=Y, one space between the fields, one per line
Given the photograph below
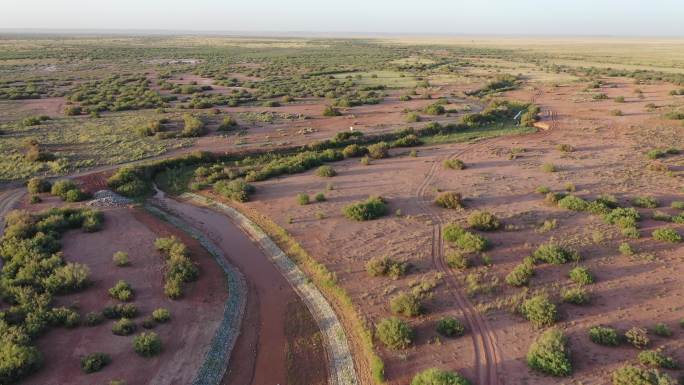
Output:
x=609 y=158
x=185 y=338
x=277 y=345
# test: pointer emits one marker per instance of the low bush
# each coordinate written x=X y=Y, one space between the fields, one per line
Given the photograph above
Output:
x=520 y=275
x=193 y=126
x=645 y=201
x=121 y=310
x=228 y=123
x=94 y=318
x=378 y=150
x=548 y=167
x=552 y=253
x=331 y=111
x=320 y=197
x=638 y=337
x=565 y=147
x=581 y=275
x=38 y=185
x=631 y=375
x=571 y=202
x=550 y=355
x=458 y=260
x=662 y=330
x=161 y=315
x=326 y=171
x=394 y=333
x=539 y=311
x=123 y=327
x=623 y=217
x=120 y=259
x=483 y=220
x=385 y=266
x=94 y=362
x=412 y=117
x=434 y=376
x=406 y=304
x=666 y=235
x=434 y=109
x=604 y=336
x=449 y=200
x=625 y=249
x=371 y=208
x=450 y=327
x=147 y=344
x=62 y=186
x=354 y=150
x=575 y=296
x=453 y=164
x=657 y=359
x=679 y=205
x=121 y=291
x=237 y=190
x=656 y=154
x=63 y=316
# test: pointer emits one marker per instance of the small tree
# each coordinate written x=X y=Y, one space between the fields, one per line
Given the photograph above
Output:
x=450 y=327
x=394 y=333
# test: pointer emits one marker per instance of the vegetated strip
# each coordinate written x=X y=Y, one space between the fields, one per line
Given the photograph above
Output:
x=342 y=371
x=216 y=359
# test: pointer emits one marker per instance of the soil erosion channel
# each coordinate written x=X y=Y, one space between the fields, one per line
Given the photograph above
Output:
x=261 y=353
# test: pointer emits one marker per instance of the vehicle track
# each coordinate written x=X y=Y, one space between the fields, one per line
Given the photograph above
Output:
x=488 y=356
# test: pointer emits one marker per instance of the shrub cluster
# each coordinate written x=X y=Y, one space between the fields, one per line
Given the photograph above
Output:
x=179 y=268
x=549 y=354
x=406 y=304
x=450 y=327
x=604 y=336
x=326 y=171
x=147 y=344
x=94 y=362
x=483 y=220
x=372 y=208
x=521 y=274
x=539 y=310
x=449 y=200
x=385 y=266
x=237 y=190
x=465 y=240
x=581 y=275
x=394 y=333
x=434 y=376
x=657 y=359
x=552 y=253
x=666 y=235
x=631 y=375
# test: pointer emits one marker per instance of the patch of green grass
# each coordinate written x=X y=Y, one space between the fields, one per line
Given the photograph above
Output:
x=477 y=133
x=175 y=181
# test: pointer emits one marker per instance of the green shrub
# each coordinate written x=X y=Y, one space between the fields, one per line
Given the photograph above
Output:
x=68 y=278
x=575 y=296
x=385 y=266
x=74 y=196
x=237 y=190
x=193 y=126
x=581 y=275
x=173 y=288
x=550 y=355
x=565 y=148
x=94 y=318
x=228 y=123
x=539 y=311
x=638 y=337
x=326 y=171
x=450 y=327
x=662 y=330
x=35 y=199
x=571 y=202
x=679 y=205
x=483 y=220
x=320 y=197
x=61 y=187
x=125 y=310
x=548 y=167
x=354 y=150
x=666 y=235
x=656 y=359
x=630 y=375
x=38 y=185
x=123 y=327
x=371 y=208
x=661 y=216
x=626 y=249
x=434 y=109
x=458 y=260
x=147 y=344
x=94 y=362
x=378 y=150
x=394 y=333
x=552 y=253
x=406 y=304
x=331 y=111
x=623 y=217
x=645 y=201
x=449 y=200
x=655 y=154
x=542 y=190
x=120 y=259
x=303 y=199
x=434 y=376
x=63 y=316
x=161 y=315
x=453 y=164
x=121 y=291
x=412 y=117
x=520 y=275
x=604 y=336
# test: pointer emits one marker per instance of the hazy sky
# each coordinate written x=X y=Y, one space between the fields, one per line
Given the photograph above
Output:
x=556 y=17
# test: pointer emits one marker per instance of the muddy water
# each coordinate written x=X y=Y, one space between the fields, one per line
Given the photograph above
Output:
x=263 y=328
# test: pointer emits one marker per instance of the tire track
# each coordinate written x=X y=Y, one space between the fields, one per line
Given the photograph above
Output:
x=488 y=356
